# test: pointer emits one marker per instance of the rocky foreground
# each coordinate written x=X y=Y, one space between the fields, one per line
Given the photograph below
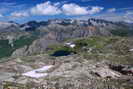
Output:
x=70 y=72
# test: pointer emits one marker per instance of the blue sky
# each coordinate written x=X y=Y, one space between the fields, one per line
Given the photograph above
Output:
x=26 y=10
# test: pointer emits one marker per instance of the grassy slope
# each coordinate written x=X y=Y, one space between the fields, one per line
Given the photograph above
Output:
x=6 y=50
x=115 y=49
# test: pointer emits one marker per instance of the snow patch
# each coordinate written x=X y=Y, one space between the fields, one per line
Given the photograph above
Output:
x=131 y=50
x=71 y=45
x=37 y=72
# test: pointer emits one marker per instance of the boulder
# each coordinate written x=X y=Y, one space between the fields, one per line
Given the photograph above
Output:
x=106 y=72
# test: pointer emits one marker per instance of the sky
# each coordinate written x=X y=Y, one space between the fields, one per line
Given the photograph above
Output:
x=26 y=10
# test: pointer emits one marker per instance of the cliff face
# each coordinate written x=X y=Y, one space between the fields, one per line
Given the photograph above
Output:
x=56 y=33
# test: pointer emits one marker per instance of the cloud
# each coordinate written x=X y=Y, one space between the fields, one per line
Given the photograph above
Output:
x=112 y=10
x=129 y=13
x=73 y=9
x=95 y=9
x=120 y=9
x=19 y=14
x=46 y=8
x=116 y=17
x=128 y=16
x=49 y=8
x=1 y=15
x=125 y=16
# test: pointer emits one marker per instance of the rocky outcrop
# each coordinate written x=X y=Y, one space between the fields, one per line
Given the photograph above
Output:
x=106 y=72
x=38 y=46
x=20 y=52
x=72 y=72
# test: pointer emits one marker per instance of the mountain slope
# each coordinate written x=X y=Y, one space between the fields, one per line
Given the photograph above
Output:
x=55 y=31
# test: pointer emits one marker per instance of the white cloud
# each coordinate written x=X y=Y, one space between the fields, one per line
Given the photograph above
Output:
x=129 y=13
x=46 y=8
x=74 y=9
x=128 y=16
x=112 y=10
x=1 y=15
x=19 y=14
x=49 y=8
x=95 y=9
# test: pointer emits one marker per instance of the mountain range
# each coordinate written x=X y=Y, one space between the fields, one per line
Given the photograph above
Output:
x=34 y=37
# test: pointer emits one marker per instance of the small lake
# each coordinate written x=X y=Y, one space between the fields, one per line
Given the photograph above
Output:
x=61 y=53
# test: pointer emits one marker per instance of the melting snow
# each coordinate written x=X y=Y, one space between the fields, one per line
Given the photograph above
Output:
x=72 y=45
x=35 y=73
x=131 y=50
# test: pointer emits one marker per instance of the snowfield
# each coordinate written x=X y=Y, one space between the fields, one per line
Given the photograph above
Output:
x=37 y=73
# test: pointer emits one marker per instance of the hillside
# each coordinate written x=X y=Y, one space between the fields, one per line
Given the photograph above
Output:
x=34 y=37
x=97 y=62
x=67 y=54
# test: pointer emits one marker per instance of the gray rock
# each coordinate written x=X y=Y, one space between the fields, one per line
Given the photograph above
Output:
x=20 y=52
